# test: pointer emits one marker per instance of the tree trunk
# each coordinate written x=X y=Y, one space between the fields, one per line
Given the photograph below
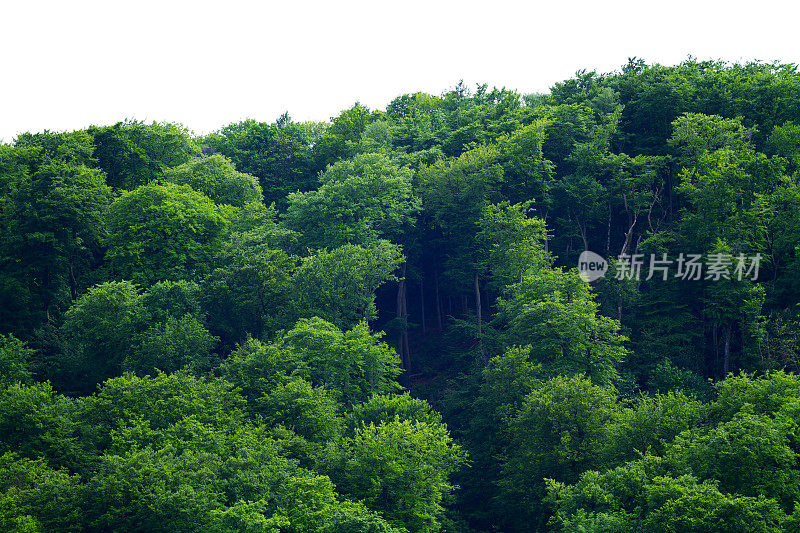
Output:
x=422 y=304
x=726 y=361
x=45 y=297
x=546 y=239
x=478 y=311
x=401 y=287
x=715 y=342
x=73 y=284
x=406 y=349
x=438 y=300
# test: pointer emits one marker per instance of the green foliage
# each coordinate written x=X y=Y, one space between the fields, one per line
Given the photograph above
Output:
x=36 y=422
x=97 y=331
x=177 y=396
x=147 y=490
x=75 y=147
x=278 y=154
x=256 y=368
x=260 y=394
x=515 y=241
x=309 y=411
x=750 y=455
x=337 y=141
x=133 y=153
x=638 y=495
x=765 y=395
x=455 y=193
x=668 y=377
x=719 y=192
x=359 y=200
x=171 y=345
x=168 y=299
x=51 y=225
x=308 y=500
x=162 y=232
x=652 y=424
x=556 y=313
x=356 y=519
x=527 y=174
x=15 y=361
x=558 y=433
x=695 y=135
x=250 y=292
x=385 y=407
x=354 y=363
x=36 y=498
x=785 y=142
x=400 y=469
x=339 y=285
x=216 y=177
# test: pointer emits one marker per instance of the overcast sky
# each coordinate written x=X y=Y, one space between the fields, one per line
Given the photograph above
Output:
x=66 y=65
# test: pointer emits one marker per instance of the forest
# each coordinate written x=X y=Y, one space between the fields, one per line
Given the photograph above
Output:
x=377 y=324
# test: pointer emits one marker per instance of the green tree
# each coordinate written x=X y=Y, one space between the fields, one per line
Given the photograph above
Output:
x=515 y=240
x=37 y=498
x=401 y=469
x=356 y=519
x=97 y=331
x=161 y=408
x=355 y=363
x=385 y=407
x=752 y=455
x=256 y=368
x=695 y=135
x=171 y=345
x=733 y=303
x=278 y=154
x=341 y=138
x=651 y=425
x=36 y=422
x=52 y=225
x=250 y=291
x=216 y=177
x=455 y=194
x=309 y=411
x=74 y=148
x=169 y=299
x=527 y=174
x=559 y=432
x=15 y=361
x=339 y=285
x=360 y=200
x=721 y=190
x=784 y=140
x=638 y=495
x=133 y=153
x=162 y=232
x=555 y=312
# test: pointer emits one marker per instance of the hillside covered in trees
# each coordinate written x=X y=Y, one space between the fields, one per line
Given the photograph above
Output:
x=377 y=324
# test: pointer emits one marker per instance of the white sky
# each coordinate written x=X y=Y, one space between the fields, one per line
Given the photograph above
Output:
x=66 y=65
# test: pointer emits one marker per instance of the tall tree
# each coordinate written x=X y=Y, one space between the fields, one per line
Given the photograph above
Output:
x=278 y=154
x=133 y=153
x=162 y=232
x=217 y=178
x=52 y=227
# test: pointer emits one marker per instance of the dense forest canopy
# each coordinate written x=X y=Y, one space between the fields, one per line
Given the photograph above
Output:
x=377 y=324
